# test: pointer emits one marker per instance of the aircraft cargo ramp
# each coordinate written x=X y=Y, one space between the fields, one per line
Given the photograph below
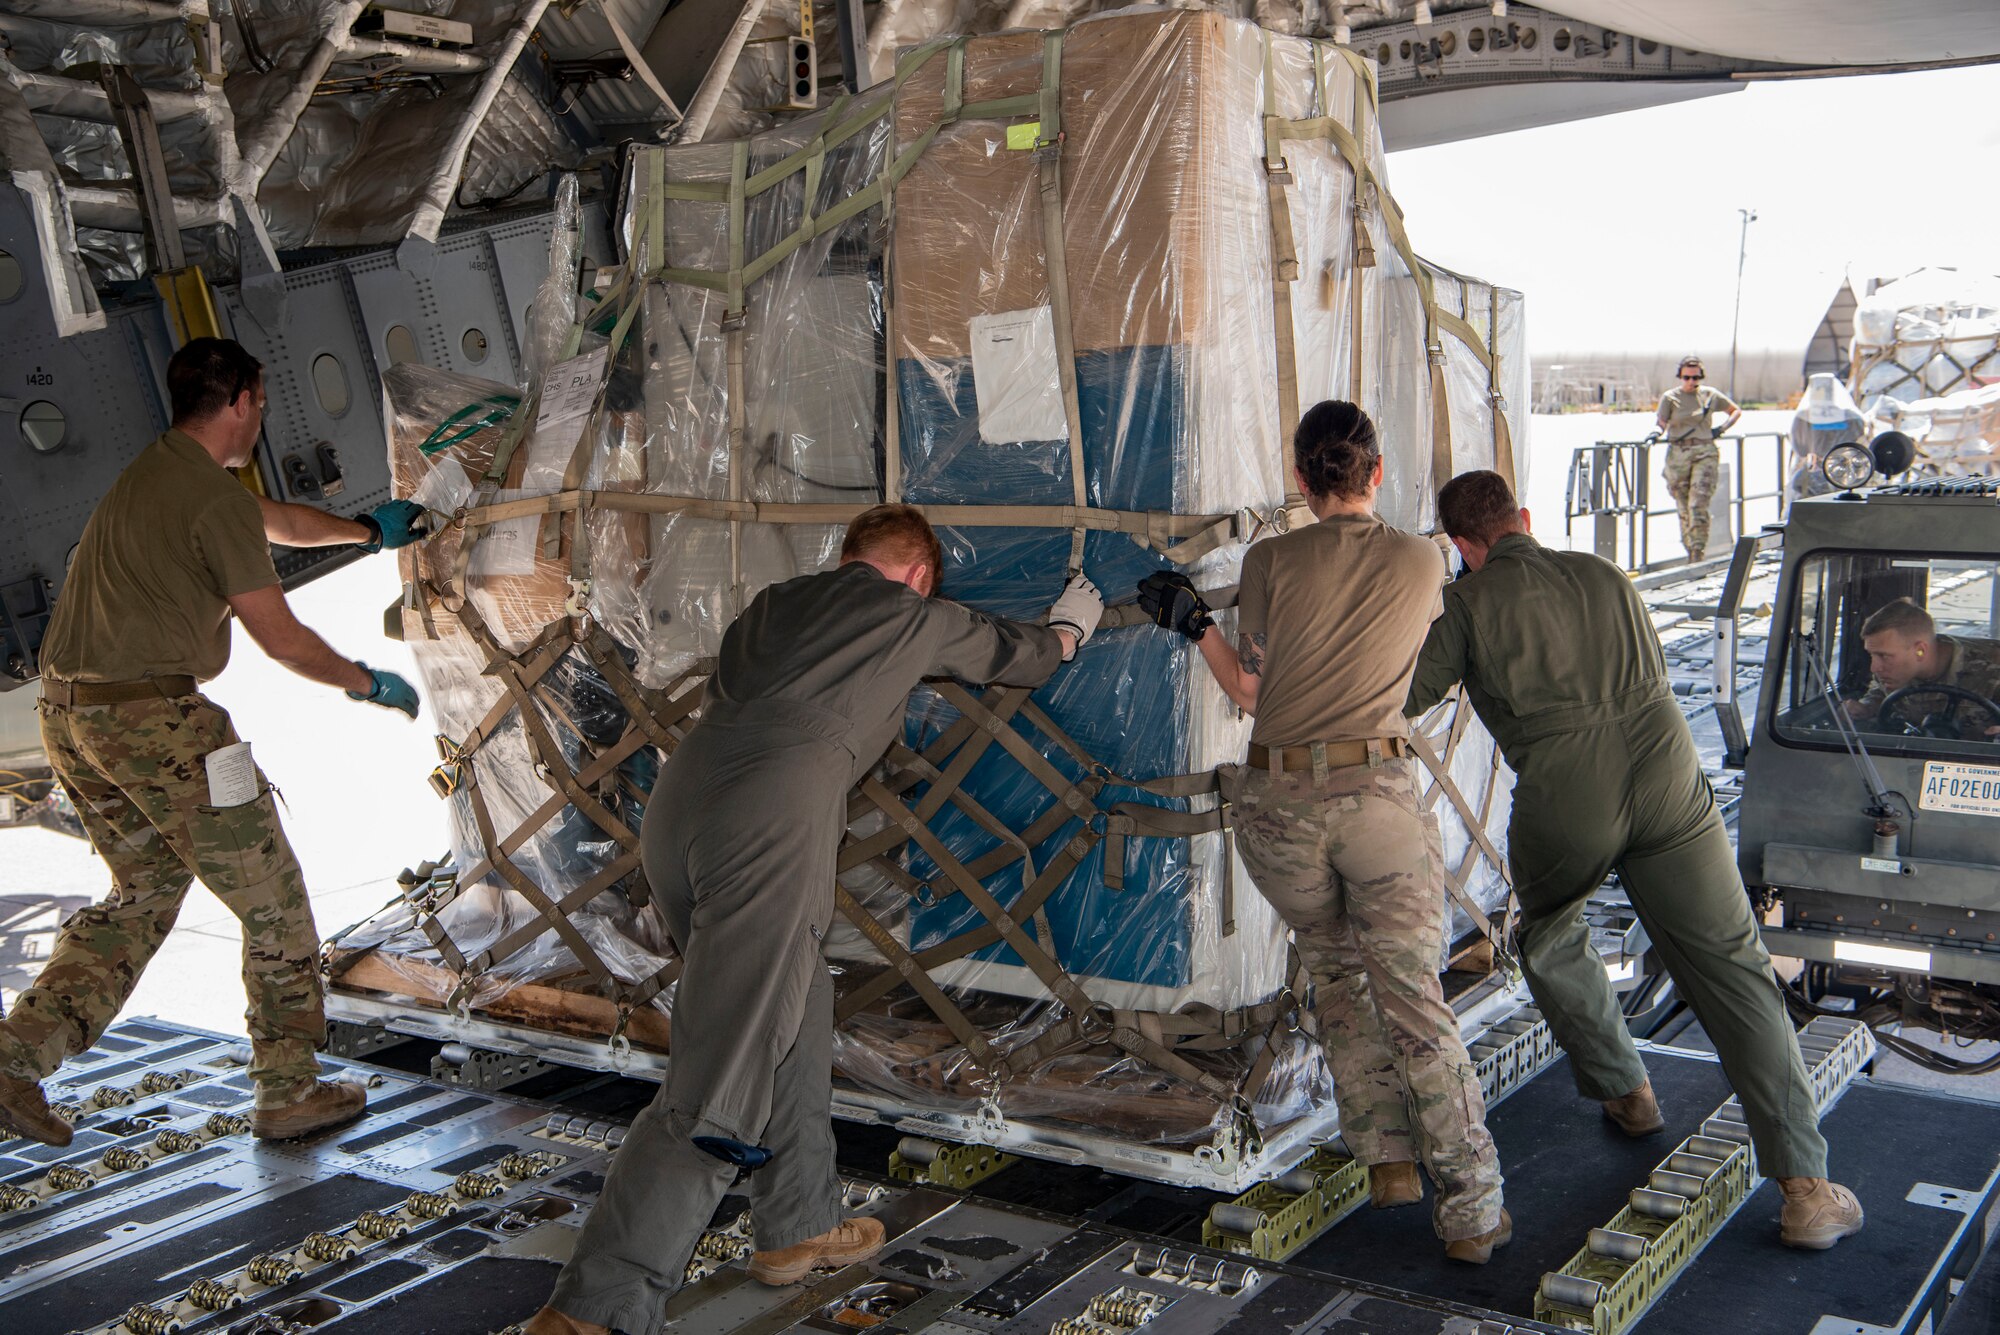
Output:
x=446 y=1210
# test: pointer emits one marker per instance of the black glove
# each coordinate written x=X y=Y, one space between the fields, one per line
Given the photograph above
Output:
x=1171 y=600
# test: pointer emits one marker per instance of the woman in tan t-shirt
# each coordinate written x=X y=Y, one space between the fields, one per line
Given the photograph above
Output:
x=1330 y=618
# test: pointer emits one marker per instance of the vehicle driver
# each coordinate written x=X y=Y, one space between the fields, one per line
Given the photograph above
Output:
x=175 y=550
x=1559 y=657
x=739 y=841
x=1328 y=819
x=1907 y=652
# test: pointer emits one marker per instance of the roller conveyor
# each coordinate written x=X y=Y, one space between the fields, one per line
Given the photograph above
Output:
x=447 y=1210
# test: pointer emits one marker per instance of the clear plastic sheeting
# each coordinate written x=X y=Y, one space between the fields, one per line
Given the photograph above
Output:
x=553 y=310
x=1071 y=307
x=1932 y=333
x=1956 y=434
x=1827 y=417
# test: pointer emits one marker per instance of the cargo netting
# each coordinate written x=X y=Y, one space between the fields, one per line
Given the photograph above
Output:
x=1067 y=293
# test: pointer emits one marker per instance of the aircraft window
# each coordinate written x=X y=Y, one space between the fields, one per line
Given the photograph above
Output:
x=474 y=345
x=1476 y=39
x=1561 y=39
x=10 y=277
x=1910 y=645
x=43 y=426
x=402 y=345
x=330 y=384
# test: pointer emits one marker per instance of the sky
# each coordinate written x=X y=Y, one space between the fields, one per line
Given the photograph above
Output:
x=1623 y=230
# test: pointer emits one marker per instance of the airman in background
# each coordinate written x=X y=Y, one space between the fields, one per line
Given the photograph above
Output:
x=1694 y=460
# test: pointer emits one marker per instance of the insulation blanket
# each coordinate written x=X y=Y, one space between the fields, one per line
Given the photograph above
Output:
x=1033 y=284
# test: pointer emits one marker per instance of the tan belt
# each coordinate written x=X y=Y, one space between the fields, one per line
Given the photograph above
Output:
x=67 y=694
x=1328 y=755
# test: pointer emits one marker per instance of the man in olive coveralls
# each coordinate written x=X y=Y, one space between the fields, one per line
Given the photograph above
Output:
x=1560 y=661
x=739 y=841
x=176 y=549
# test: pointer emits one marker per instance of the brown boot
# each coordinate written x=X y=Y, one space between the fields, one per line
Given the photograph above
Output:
x=329 y=1103
x=549 y=1321
x=24 y=1111
x=1637 y=1113
x=848 y=1241
x=1817 y=1213
x=1479 y=1250
x=1394 y=1184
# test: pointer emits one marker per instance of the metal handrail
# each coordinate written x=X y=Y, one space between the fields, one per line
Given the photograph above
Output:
x=1611 y=484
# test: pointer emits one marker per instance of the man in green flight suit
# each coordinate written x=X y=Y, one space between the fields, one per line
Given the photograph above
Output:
x=1559 y=659
x=175 y=550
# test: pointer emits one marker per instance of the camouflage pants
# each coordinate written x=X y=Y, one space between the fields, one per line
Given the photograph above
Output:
x=1352 y=864
x=135 y=774
x=1691 y=474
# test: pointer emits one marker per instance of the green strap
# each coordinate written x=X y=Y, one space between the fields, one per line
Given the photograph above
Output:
x=496 y=409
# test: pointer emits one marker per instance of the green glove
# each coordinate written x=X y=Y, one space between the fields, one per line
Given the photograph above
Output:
x=394 y=524
x=387 y=690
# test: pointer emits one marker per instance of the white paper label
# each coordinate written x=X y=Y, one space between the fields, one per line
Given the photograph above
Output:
x=508 y=547
x=1970 y=790
x=232 y=776
x=568 y=393
x=1014 y=377
x=1889 y=865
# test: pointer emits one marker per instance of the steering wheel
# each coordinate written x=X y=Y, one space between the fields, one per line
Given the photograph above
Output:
x=1903 y=693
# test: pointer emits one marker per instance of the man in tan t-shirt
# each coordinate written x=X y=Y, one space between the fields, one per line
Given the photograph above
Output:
x=1330 y=619
x=176 y=549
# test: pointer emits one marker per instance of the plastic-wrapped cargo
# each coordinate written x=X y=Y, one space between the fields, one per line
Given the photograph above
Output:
x=1956 y=434
x=1068 y=293
x=1827 y=417
x=1925 y=335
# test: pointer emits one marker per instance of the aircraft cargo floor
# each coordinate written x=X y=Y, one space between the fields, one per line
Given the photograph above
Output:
x=446 y=1210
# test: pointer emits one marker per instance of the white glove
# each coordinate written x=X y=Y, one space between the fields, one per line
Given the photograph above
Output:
x=1078 y=609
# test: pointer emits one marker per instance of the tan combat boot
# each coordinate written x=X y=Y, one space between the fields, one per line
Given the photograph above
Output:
x=328 y=1103
x=549 y=1321
x=1817 y=1213
x=24 y=1111
x=1479 y=1250
x=1637 y=1113
x=1394 y=1184
x=848 y=1241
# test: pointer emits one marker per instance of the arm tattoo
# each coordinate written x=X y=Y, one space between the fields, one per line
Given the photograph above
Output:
x=1250 y=653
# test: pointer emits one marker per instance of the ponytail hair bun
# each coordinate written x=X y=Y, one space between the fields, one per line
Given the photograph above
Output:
x=1335 y=450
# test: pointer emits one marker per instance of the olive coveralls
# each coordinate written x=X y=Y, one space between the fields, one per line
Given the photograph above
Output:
x=739 y=842
x=1560 y=661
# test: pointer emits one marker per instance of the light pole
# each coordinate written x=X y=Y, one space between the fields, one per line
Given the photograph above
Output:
x=1735 y=327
